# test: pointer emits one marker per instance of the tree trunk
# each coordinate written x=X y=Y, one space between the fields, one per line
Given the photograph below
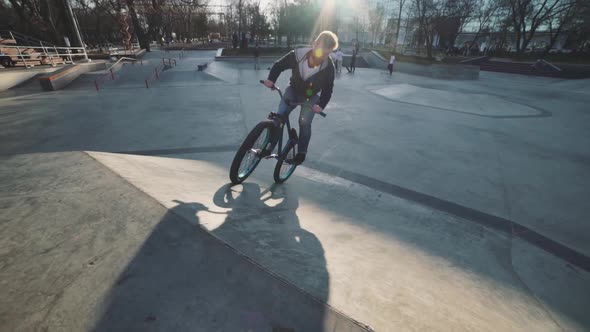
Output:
x=399 y=23
x=552 y=39
x=141 y=35
x=428 y=36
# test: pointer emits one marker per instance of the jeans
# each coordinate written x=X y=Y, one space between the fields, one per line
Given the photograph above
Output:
x=305 y=115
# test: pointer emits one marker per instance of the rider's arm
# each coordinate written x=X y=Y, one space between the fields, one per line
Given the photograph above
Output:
x=327 y=90
x=281 y=65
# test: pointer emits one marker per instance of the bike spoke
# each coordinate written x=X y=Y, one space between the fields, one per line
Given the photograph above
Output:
x=286 y=168
x=252 y=155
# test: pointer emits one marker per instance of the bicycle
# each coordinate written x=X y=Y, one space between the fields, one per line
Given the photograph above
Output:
x=263 y=137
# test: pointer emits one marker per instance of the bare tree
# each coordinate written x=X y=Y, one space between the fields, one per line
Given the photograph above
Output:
x=46 y=19
x=528 y=15
x=376 y=16
x=461 y=12
x=426 y=13
x=399 y=21
x=485 y=11
x=560 y=21
x=257 y=21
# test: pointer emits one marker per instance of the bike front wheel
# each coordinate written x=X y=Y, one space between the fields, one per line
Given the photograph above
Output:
x=249 y=153
x=283 y=169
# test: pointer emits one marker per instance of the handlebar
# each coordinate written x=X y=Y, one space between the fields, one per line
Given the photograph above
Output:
x=274 y=87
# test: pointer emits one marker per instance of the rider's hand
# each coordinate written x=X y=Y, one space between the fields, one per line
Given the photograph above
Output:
x=317 y=109
x=269 y=84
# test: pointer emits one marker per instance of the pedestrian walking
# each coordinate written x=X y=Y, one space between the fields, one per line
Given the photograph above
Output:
x=256 y=57
x=339 y=57
x=390 y=65
x=352 y=62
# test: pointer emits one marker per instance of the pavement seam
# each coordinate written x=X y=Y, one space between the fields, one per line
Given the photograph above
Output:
x=487 y=220
x=512 y=236
x=240 y=254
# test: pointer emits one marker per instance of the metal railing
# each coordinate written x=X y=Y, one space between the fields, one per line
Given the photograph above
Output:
x=49 y=51
x=110 y=72
x=158 y=70
x=20 y=38
x=543 y=62
x=31 y=53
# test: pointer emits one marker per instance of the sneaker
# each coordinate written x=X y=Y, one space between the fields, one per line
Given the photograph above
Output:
x=298 y=160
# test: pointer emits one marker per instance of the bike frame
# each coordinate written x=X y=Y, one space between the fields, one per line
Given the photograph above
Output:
x=282 y=126
x=280 y=131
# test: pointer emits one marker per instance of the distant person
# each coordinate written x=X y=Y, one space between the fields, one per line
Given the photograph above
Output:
x=244 y=41
x=335 y=60
x=234 y=40
x=390 y=65
x=256 y=57
x=352 y=67
x=339 y=59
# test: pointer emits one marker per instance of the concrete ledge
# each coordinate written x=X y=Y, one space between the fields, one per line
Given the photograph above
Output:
x=139 y=54
x=61 y=78
x=106 y=56
x=439 y=71
x=10 y=78
x=219 y=57
x=242 y=58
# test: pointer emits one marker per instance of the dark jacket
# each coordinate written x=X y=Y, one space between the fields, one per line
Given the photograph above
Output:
x=322 y=81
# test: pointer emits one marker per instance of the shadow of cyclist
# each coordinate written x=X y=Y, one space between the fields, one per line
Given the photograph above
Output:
x=263 y=225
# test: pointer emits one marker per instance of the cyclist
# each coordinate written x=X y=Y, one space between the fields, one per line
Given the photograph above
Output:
x=312 y=72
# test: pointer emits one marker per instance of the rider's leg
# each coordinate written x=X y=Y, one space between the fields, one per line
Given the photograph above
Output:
x=305 y=118
x=283 y=112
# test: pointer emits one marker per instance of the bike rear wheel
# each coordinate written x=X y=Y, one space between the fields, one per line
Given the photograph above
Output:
x=283 y=169
x=248 y=155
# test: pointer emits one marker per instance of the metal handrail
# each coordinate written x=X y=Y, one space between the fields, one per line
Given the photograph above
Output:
x=98 y=81
x=54 y=47
x=121 y=59
x=44 y=50
x=547 y=63
x=158 y=70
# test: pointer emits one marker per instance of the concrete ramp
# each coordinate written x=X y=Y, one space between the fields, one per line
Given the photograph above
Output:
x=89 y=252
x=386 y=262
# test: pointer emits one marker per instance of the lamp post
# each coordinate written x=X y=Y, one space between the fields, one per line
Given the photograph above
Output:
x=76 y=28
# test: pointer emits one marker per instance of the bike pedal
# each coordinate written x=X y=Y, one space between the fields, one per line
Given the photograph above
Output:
x=274 y=155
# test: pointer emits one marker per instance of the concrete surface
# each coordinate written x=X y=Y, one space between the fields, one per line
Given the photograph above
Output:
x=89 y=252
x=11 y=77
x=414 y=211
x=378 y=258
